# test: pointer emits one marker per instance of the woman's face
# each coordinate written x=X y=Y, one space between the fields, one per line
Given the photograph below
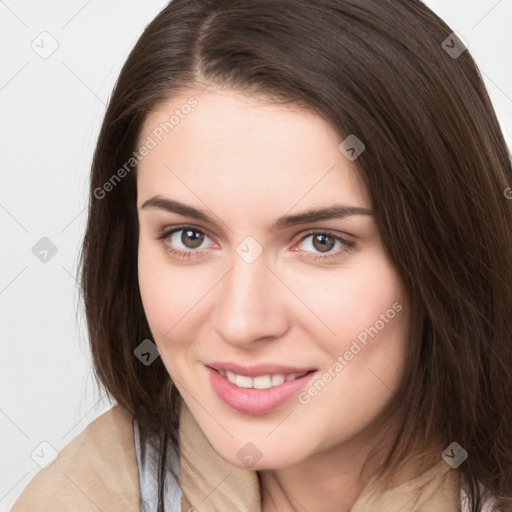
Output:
x=270 y=264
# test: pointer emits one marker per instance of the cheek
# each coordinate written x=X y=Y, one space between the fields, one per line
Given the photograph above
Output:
x=366 y=358
x=168 y=293
x=352 y=299
x=364 y=306
x=171 y=301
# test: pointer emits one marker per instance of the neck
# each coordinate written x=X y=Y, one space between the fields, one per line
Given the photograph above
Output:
x=333 y=479
x=330 y=480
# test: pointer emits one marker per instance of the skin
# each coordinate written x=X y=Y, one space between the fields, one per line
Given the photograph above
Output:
x=247 y=161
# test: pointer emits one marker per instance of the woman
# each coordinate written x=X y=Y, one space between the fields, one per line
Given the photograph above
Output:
x=297 y=269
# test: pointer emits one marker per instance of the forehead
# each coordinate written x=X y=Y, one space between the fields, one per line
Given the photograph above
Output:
x=246 y=152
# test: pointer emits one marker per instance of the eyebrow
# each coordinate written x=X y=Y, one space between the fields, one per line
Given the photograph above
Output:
x=326 y=213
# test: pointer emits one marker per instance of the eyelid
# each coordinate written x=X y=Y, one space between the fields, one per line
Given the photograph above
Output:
x=169 y=230
x=318 y=231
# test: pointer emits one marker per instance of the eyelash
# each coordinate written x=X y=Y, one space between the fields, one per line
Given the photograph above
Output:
x=165 y=233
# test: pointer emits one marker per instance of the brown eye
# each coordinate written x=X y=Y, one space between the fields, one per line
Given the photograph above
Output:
x=191 y=238
x=322 y=245
x=184 y=242
x=323 y=242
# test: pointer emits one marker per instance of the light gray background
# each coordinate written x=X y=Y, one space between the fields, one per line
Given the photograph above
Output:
x=51 y=110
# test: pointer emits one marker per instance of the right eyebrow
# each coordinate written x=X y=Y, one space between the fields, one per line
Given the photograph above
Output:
x=176 y=207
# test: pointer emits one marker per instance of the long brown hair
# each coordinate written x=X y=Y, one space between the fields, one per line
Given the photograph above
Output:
x=436 y=167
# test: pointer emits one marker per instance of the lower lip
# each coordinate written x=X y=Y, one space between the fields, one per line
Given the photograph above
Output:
x=256 y=401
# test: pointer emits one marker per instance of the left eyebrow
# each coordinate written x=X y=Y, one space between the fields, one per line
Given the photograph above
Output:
x=329 y=212
x=313 y=215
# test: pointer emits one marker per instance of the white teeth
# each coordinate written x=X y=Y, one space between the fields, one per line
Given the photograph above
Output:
x=277 y=380
x=260 y=382
x=243 y=382
x=263 y=382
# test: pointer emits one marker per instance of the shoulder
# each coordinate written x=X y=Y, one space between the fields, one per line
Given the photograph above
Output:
x=96 y=470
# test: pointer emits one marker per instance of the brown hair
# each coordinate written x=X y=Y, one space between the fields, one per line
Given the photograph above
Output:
x=436 y=167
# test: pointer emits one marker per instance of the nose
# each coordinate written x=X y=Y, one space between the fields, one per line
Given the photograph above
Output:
x=250 y=304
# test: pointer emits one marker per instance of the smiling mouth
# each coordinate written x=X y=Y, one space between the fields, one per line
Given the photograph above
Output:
x=263 y=391
x=266 y=381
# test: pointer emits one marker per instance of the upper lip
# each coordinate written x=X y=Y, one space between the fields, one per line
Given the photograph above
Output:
x=258 y=369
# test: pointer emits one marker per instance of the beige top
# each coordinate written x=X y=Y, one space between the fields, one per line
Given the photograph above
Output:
x=98 y=470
